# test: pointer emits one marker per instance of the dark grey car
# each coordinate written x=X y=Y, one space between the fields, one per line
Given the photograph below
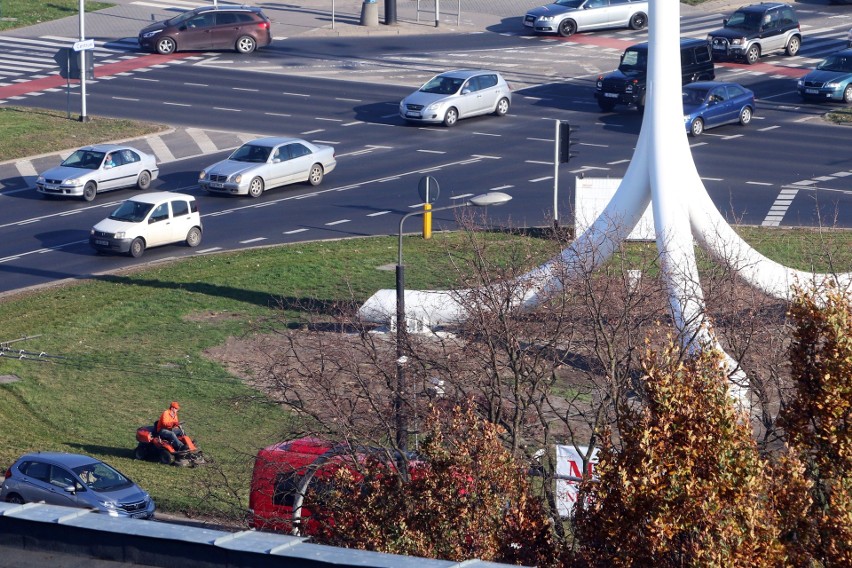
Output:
x=75 y=480
x=565 y=17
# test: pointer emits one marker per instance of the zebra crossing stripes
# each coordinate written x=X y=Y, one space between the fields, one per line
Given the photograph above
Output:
x=34 y=58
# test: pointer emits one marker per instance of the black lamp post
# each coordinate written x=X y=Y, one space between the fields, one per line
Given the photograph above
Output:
x=390 y=12
x=401 y=418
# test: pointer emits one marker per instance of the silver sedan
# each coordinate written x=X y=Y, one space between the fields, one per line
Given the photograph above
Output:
x=93 y=169
x=265 y=163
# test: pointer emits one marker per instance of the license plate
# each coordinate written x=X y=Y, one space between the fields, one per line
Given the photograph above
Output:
x=413 y=115
x=102 y=243
x=719 y=47
x=811 y=91
x=139 y=515
x=217 y=185
x=611 y=95
x=51 y=187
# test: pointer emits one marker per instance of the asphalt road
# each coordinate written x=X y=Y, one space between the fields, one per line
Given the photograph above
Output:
x=787 y=149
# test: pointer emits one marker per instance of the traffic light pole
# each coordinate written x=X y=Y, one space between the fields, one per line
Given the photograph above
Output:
x=557 y=140
x=82 y=52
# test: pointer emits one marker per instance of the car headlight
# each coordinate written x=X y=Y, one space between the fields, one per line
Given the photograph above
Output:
x=119 y=235
x=800 y=83
x=202 y=175
x=547 y=18
x=686 y=118
x=40 y=179
x=434 y=106
x=833 y=85
x=738 y=41
x=151 y=34
x=237 y=178
x=71 y=181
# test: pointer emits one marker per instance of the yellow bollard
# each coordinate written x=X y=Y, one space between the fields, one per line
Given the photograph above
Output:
x=427 y=220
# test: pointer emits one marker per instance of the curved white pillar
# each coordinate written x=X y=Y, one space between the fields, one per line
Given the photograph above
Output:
x=663 y=172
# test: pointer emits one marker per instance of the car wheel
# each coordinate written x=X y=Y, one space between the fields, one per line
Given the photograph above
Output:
x=793 y=46
x=502 y=108
x=847 y=94
x=245 y=44
x=141 y=452
x=144 y=181
x=166 y=457
x=753 y=54
x=606 y=105
x=452 y=117
x=315 y=175
x=640 y=106
x=638 y=21
x=90 y=191
x=137 y=247
x=15 y=498
x=166 y=45
x=193 y=237
x=255 y=187
x=745 y=116
x=567 y=28
x=697 y=127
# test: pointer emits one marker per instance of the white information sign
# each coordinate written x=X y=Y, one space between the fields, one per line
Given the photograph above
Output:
x=569 y=463
x=84 y=44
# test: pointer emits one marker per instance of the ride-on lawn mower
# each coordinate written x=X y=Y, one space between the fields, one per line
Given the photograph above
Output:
x=151 y=446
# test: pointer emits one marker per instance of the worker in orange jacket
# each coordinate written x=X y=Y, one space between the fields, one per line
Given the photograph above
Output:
x=168 y=427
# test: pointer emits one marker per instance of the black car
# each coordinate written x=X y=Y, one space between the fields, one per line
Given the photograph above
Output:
x=757 y=29
x=626 y=85
x=241 y=28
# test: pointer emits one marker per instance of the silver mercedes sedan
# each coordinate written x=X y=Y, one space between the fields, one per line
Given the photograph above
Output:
x=265 y=163
x=93 y=169
x=565 y=17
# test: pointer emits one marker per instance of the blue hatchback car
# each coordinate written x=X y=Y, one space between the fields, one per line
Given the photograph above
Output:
x=831 y=80
x=708 y=104
x=75 y=480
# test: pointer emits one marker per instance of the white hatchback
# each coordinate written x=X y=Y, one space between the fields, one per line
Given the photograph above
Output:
x=149 y=220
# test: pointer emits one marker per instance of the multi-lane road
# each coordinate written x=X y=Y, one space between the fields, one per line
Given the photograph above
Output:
x=787 y=168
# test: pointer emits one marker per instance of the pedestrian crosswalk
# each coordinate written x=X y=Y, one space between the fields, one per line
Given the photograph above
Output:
x=25 y=59
x=541 y=60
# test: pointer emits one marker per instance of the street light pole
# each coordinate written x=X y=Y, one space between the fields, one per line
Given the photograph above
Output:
x=400 y=416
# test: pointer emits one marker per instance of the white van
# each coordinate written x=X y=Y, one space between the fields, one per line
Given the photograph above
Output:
x=149 y=220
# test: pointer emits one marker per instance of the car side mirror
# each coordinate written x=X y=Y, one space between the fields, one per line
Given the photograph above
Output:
x=465 y=91
x=276 y=160
x=70 y=489
x=724 y=21
x=182 y=28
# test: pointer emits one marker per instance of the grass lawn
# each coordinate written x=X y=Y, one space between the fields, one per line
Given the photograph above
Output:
x=22 y=13
x=29 y=132
x=119 y=348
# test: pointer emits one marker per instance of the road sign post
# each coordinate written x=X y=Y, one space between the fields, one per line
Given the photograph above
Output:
x=429 y=191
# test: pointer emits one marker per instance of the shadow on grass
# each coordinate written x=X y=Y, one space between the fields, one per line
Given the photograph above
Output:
x=104 y=450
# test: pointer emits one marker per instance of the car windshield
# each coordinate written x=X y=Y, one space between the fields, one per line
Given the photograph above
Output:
x=99 y=476
x=249 y=153
x=180 y=18
x=132 y=211
x=441 y=85
x=569 y=3
x=838 y=63
x=694 y=96
x=633 y=60
x=84 y=159
x=747 y=20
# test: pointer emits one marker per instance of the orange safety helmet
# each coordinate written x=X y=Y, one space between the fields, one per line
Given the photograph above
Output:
x=174 y=405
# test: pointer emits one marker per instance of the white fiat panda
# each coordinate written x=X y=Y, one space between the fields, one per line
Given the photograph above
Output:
x=149 y=220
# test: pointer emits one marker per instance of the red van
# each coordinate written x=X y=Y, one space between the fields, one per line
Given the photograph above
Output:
x=283 y=473
x=279 y=480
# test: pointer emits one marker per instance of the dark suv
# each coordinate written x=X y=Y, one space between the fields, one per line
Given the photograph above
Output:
x=626 y=85
x=241 y=28
x=757 y=29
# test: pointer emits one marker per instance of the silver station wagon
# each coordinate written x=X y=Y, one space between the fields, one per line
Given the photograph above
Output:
x=565 y=17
